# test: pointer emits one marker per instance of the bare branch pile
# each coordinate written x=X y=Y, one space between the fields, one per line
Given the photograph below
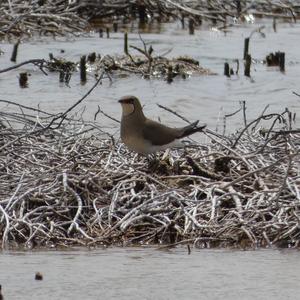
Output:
x=176 y=9
x=63 y=184
x=60 y=17
x=151 y=66
x=147 y=66
x=26 y=18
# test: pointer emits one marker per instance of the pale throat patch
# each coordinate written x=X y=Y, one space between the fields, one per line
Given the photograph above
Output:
x=128 y=109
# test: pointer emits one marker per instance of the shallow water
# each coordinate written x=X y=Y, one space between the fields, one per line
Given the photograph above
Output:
x=206 y=98
x=135 y=273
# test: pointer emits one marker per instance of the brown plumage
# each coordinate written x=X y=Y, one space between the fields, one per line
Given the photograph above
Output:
x=146 y=136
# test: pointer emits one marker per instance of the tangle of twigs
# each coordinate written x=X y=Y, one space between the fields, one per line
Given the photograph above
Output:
x=68 y=185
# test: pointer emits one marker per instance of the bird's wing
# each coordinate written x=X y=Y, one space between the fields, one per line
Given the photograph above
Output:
x=159 y=134
x=192 y=128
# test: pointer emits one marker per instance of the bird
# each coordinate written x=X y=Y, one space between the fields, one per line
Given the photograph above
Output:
x=146 y=136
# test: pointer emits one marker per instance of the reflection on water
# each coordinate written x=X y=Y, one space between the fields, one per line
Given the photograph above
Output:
x=135 y=273
x=206 y=98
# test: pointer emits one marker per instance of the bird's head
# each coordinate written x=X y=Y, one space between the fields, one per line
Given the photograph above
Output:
x=130 y=105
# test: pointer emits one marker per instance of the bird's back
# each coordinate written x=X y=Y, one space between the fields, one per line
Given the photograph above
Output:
x=159 y=134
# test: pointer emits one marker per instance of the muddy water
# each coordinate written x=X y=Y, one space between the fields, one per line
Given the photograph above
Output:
x=206 y=98
x=151 y=274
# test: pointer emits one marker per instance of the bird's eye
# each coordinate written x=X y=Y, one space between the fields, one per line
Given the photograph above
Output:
x=127 y=100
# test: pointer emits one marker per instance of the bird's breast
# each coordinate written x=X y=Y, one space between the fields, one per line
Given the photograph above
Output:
x=136 y=144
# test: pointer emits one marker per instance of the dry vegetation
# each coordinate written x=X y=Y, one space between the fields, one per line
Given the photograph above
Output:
x=59 y=17
x=65 y=182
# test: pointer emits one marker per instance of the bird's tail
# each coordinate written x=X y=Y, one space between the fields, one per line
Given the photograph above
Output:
x=190 y=129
